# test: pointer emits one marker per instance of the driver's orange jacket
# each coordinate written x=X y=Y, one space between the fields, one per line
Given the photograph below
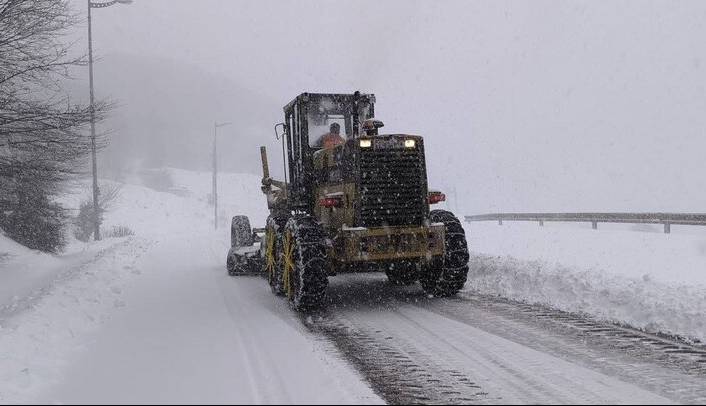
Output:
x=329 y=140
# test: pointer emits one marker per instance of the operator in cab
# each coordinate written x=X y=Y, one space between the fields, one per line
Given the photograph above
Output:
x=332 y=138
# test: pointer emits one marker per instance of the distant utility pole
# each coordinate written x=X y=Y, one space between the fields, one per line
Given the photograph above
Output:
x=216 y=126
x=92 y=4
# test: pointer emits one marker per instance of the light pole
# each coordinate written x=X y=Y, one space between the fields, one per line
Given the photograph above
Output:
x=91 y=4
x=216 y=126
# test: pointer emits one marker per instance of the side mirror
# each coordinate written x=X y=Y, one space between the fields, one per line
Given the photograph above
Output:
x=284 y=130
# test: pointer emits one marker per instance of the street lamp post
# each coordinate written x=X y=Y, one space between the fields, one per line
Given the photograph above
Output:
x=91 y=4
x=216 y=126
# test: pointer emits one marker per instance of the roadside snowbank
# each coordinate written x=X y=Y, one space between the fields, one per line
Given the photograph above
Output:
x=41 y=332
x=21 y=268
x=647 y=279
x=148 y=210
x=25 y=272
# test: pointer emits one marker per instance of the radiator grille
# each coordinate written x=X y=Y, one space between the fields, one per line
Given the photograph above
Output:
x=392 y=187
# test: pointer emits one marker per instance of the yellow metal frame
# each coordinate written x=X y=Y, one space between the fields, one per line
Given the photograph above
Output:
x=419 y=248
x=270 y=261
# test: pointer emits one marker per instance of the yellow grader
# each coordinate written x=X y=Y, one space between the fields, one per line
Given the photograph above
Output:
x=358 y=204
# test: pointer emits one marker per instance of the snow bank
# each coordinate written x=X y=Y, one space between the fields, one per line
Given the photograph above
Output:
x=647 y=279
x=20 y=269
x=156 y=207
x=148 y=212
x=48 y=327
x=25 y=272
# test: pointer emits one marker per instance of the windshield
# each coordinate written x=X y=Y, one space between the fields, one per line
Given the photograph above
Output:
x=330 y=119
x=328 y=127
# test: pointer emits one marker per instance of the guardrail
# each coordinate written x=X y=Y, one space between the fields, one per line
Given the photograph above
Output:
x=667 y=219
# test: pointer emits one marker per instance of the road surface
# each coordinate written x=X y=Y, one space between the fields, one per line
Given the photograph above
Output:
x=161 y=322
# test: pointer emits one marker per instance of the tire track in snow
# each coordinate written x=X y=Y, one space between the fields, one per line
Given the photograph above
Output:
x=415 y=350
x=666 y=365
x=397 y=375
x=274 y=388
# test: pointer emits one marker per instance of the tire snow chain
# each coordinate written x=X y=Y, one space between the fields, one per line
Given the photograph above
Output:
x=288 y=263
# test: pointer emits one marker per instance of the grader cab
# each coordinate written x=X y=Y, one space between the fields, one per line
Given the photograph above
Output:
x=358 y=204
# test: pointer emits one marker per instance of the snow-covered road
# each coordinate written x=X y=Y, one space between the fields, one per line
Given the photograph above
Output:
x=174 y=328
x=188 y=333
x=487 y=350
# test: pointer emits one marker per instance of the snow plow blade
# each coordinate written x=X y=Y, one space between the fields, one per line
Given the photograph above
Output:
x=244 y=261
x=244 y=256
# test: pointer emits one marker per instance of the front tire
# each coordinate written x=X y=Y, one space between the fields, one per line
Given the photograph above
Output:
x=448 y=276
x=240 y=232
x=304 y=263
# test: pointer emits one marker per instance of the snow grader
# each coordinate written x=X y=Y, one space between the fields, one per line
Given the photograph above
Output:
x=358 y=204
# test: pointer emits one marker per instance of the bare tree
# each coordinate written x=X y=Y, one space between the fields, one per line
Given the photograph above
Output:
x=43 y=139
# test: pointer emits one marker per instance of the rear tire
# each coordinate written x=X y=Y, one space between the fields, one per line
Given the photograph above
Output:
x=304 y=263
x=240 y=232
x=448 y=277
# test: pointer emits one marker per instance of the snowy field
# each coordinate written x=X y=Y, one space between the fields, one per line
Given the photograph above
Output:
x=632 y=274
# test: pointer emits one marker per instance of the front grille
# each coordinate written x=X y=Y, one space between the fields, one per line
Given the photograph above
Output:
x=392 y=187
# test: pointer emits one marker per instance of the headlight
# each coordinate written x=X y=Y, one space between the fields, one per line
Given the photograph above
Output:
x=366 y=143
x=409 y=143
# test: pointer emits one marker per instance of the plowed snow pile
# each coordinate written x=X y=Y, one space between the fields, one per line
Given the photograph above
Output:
x=627 y=274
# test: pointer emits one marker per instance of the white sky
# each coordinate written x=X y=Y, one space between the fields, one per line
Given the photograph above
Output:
x=541 y=105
